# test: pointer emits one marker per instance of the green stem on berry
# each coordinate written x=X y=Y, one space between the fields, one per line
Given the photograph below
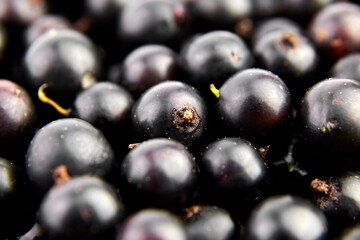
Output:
x=214 y=90
x=42 y=96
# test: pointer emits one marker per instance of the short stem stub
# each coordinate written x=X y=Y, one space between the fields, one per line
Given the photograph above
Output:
x=214 y=90
x=61 y=175
x=42 y=96
x=192 y=211
x=88 y=80
x=133 y=145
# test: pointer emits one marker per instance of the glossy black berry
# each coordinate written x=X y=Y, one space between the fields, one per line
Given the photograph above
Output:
x=209 y=223
x=286 y=217
x=329 y=115
x=213 y=57
x=303 y=9
x=337 y=197
x=17 y=116
x=213 y=13
x=66 y=60
x=170 y=109
x=82 y=208
x=333 y=30
x=147 y=66
x=43 y=24
x=22 y=12
x=15 y=201
x=159 y=172
x=71 y=142
x=266 y=8
x=153 y=21
x=151 y=223
x=105 y=105
x=347 y=67
x=277 y=24
x=232 y=170
x=290 y=55
x=254 y=102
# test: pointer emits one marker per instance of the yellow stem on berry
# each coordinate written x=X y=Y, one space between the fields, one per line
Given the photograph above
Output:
x=214 y=90
x=42 y=96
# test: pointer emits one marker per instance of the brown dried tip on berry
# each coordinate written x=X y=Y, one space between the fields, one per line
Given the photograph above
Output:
x=234 y=56
x=289 y=41
x=186 y=119
x=324 y=191
x=189 y=212
x=263 y=151
x=133 y=145
x=319 y=186
x=61 y=175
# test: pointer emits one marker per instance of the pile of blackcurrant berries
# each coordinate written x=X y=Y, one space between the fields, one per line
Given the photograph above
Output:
x=179 y=120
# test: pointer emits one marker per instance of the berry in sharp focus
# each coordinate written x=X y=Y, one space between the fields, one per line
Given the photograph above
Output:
x=158 y=173
x=83 y=207
x=170 y=109
x=71 y=142
x=232 y=171
x=254 y=103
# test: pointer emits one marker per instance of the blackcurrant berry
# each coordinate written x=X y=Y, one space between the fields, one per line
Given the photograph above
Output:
x=170 y=109
x=71 y=142
x=159 y=172
x=286 y=217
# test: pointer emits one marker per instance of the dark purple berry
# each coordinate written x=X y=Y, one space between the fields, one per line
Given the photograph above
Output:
x=286 y=217
x=71 y=142
x=274 y=24
x=65 y=60
x=105 y=105
x=333 y=30
x=81 y=208
x=209 y=223
x=17 y=116
x=147 y=66
x=291 y=56
x=347 y=67
x=158 y=173
x=154 y=224
x=254 y=102
x=153 y=21
x=44 y=24
x=213 y=57
x=22 y=12
x=337 y=197
x=213 y=13
x=15 y=200
x=232 y=171
x=170 y=109
x=330 y=115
